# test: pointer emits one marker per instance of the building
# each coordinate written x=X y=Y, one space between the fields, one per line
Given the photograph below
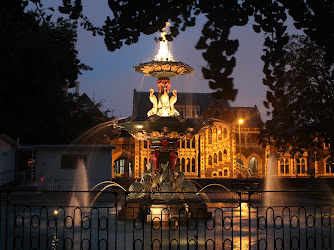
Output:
x=56 y=165
x=226 y=150
x=214 y=152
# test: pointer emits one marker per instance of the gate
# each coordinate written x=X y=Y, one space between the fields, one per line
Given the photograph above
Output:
x=227 y=220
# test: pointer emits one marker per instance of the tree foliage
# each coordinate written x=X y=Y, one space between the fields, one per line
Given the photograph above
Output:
x=39 y=63
x=303 y=108
x=132 y=18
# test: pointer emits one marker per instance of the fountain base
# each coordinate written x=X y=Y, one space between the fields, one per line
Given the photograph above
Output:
x=157 y=211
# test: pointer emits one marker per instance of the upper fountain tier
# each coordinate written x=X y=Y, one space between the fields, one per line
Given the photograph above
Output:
x=163 y=66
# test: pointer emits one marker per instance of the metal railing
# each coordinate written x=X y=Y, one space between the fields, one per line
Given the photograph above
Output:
x=226 y=220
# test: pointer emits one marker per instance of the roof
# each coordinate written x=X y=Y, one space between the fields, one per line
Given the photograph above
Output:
x=8 y=139
x=142 y=104
x=255 y=120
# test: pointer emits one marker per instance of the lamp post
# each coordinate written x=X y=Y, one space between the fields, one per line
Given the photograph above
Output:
x=240 y=121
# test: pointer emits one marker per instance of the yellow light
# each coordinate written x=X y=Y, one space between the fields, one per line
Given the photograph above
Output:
x=140 y=126
x=55 y=212
x=219 y=132
x=164 y=54
x=240 y=121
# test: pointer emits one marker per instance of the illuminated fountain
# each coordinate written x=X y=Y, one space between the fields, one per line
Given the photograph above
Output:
x=163 y=186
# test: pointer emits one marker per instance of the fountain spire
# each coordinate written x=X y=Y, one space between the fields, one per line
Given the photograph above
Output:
x=164 y=53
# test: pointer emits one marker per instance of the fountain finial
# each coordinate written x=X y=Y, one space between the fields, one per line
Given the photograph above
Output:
x=164 y=53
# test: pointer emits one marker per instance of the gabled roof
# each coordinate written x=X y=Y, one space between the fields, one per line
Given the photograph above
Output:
x=255 y=120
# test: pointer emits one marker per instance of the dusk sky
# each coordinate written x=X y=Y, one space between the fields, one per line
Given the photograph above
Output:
x=113 y=78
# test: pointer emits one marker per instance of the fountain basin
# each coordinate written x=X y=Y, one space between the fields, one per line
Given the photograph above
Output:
x=163 y=69
x=157 y=128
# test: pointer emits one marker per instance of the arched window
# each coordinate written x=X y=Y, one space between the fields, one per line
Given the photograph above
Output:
x=210 y=160
x=214 y=134
x=303 y=166
x=188 y=165
x=225 y=154
x=220 y=173
x=282 y=166
x=298 y=166
x=193 y=143
x=188 y=143
x=225 y=133
x=183 y=144
x=193 y=167
x=286 y=166
x=145 y=144
x=220 y=156
x=209 y=136
x=220 y=134
x=214 y=174
x=225 y=172
x=183 y=165
x=214 y=158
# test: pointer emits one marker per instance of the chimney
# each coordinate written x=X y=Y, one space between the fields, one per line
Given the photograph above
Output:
x=77 y=84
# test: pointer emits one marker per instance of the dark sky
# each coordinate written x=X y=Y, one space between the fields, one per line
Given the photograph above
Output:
x=113 y=78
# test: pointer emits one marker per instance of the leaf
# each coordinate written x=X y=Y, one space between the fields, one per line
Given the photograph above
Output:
x=257 y=28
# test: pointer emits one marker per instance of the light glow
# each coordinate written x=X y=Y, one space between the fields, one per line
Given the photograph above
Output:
x=164 y=54
x=240 y=121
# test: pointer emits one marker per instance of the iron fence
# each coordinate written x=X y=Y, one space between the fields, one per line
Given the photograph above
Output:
x=226 y=220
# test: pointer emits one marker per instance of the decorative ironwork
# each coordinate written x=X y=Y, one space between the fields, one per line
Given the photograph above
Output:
x=42 y=220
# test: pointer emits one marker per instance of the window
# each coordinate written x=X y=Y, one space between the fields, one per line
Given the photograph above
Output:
x=210 y=160
x=298 y=166
x=193 y=167
x=303 y=166
x=193 y=143
x=220 y=173
x=188 y=143
x=225 y=172
x=214 y=158
x=282 y=166
x=188 y=165
x=220 y=132
x=209 y=136
x=286 y=166
x=70 y=161
x=225 y=154
x=183 y=144
x=220 y=156
x=225 y=133
x=329 y=168
x=183 y=165
x=214 y=134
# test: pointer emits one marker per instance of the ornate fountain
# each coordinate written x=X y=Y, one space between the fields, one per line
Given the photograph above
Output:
x=163 y=185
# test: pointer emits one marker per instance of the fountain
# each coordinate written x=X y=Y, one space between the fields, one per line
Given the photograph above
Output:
x=272 y=195
x=162 y=187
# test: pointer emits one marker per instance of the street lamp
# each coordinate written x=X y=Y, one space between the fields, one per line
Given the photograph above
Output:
x=240 y=121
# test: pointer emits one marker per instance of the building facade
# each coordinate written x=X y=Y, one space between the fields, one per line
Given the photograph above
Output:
x=227 y=149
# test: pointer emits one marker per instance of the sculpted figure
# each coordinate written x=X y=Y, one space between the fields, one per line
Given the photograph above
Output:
x=154 y=101
x=136 y=189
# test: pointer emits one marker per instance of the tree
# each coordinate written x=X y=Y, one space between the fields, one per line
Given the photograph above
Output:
x=39 y=63
x=303 y=108
x=132 y=18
